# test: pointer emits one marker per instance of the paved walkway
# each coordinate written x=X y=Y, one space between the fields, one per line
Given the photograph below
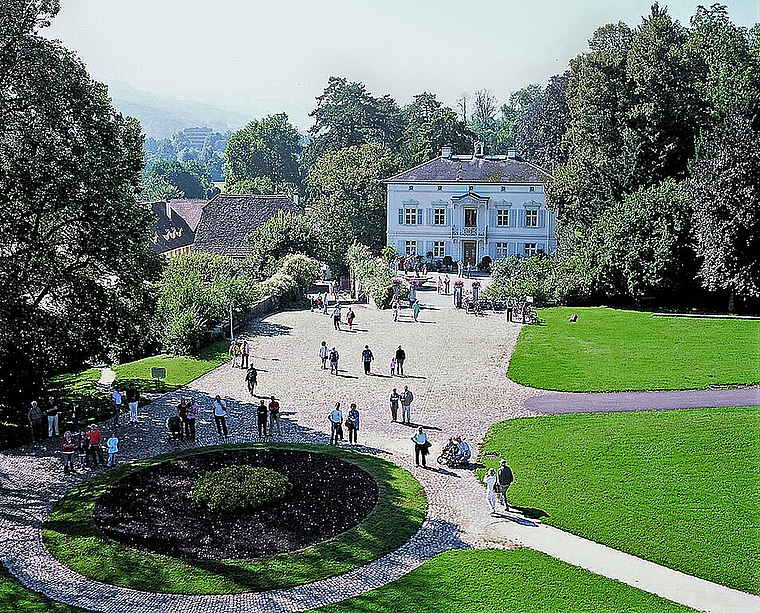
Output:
x=455 y=367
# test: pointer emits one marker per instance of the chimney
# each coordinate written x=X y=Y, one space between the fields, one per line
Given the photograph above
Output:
x=479 y=146
x=167 y=202
x=512 y=154
x=446 y=152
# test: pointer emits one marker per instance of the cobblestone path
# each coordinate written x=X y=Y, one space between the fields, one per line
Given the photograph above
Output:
x=455 y=367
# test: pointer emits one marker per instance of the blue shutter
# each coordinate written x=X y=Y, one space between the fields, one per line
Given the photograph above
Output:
x=401 y=217
x=400 y=248
x=419 y=217
x=448 y=217
x=541 y=218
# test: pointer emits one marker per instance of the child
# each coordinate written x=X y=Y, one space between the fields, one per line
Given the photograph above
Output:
x=393 y=366
x=84 y=443
x=113 y=449
x=350 y=316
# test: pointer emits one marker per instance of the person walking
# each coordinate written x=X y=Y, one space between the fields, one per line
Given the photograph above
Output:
x=113 y=449
x=35 y=421
x=274 y=416
x=352 y=424
x=396 y=305
x=421 y=447
x=68 y=449
x=335 y=418
x=440 y=284
x=446 y=283
x=262 y=414
x=95 y=450
x=504 y=478
x=416 y=310
x=245 y=352
x=52 y=415
x=336 y=317
x=133 y=401
x=191 y=414
x=350 y=318
x=400 y=357
x=412 y=294
x=334 y=360
x=395 y=399
x=116 y=401
x=490 y=480
x=233 y=352
x=251 y=378
x=220 y=415
x=367 y=358
x=324 y=353
x=406 y=403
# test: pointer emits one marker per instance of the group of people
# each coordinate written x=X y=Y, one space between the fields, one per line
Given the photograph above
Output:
x=332 y=356
x=335 y=418
x=85 y=445
x=239 y=352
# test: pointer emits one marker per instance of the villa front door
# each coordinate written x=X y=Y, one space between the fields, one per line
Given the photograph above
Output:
x=470 y=249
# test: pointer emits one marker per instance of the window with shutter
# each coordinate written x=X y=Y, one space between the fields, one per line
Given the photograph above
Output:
x=401 y=217
x=419 y=217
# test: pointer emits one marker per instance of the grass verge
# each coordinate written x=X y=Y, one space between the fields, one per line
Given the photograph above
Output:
x=494 y=581
x=73 y=538
x=679 y=488
x=616 y=350
x=20 y=599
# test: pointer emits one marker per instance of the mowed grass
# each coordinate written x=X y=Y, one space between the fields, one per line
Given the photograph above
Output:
x=498 y=581
x=19 y=599
x=180 y=370
x=616 y=350
x=73 y=538
x=680 y=488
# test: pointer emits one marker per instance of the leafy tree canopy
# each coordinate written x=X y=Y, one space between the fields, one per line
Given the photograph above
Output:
x=191 y=180
x=283 y=234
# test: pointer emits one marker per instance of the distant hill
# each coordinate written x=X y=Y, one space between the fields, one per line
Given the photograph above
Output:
x=161 y=116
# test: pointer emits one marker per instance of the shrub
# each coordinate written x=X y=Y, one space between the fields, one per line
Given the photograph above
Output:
x=524 y=276
x=303 y=269
x=448 y=262
x=485 y=264
x=373 y=273
x=282 y=288
x=236 y=488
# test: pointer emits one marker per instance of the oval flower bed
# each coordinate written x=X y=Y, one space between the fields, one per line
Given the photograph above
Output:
x=74 y=537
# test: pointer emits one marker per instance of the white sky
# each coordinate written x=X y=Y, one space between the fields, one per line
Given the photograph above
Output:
x=265 y=57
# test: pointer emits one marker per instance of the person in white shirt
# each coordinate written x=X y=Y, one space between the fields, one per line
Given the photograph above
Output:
x=220 y=415
x=336 y=419
x=336 y=317
x=421 y=445
x=323 y=353
x=490 y=480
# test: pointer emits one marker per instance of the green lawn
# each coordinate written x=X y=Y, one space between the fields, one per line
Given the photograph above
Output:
x=680 y=488
x=71 y=536
x=497 y=581
x=180 y=370
x=615 y=350
x=17 y=598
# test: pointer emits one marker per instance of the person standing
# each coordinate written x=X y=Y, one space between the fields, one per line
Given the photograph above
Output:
x=261 y=418
x=274 y=416
x=412 y=294
x=367 y=358
x=334 y=360
x=393 y=366
x=406 y=403
x=113 y=449
x=245 y=351
x=83 y=443
x=133 y=400
x=324 y=353
x=504 y=478
x=68 y=449
x=421 y=446
x=395 y=398
x=191 y=413
x=35 y=421
x=416 y=310
x=335 y=418
x=116 y=400
x=336 y=317
x=220 y=415
x=352 y=424
x=446 y=283
x=440 y=285
x=234 y=352
x=52 y=415
x=400 y=357
x=95 y=450
x=490 y=480
x=396 y=307
x=182 y=412
x=251 y=378
x=350 y=318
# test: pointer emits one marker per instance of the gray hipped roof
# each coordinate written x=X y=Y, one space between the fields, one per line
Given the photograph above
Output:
x=471 y=169
x=227 y=219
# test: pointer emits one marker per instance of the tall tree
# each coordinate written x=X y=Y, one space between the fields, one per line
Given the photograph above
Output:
x=483 y=120
x=268 y=147
x=512 y=113
x=348 y=199
x=283 y=234
x=539 y=131
x=725 y=197
x=348 y=115
x=429 y=126
x=75 y=262
x=190 y=179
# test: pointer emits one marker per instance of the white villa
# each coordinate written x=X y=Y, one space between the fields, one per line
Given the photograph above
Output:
x=470 y=206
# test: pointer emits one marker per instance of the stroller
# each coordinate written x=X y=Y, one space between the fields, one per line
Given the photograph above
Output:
x=174 y=426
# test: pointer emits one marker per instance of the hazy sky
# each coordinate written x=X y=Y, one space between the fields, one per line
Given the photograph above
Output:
x=264 y=57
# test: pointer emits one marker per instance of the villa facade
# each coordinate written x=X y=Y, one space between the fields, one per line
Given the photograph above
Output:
x=470 y=206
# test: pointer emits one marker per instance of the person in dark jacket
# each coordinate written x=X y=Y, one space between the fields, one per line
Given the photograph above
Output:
x=35 y=421
x=504 y=478
x=400 y=357
x=262 y=415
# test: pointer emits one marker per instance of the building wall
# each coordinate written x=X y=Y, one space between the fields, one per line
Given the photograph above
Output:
x=518 y=201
